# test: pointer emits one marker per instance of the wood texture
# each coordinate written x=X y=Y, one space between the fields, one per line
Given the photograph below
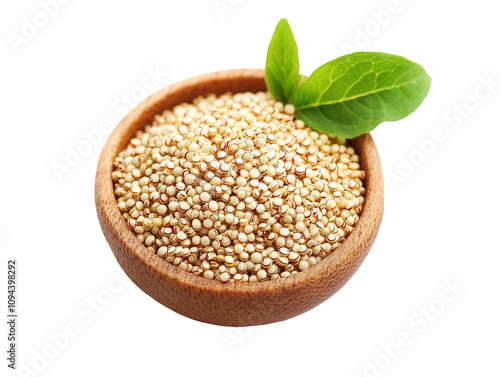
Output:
x=229 y=304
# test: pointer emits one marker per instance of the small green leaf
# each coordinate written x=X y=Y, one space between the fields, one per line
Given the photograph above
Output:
x=353 y=94
x=282 y=64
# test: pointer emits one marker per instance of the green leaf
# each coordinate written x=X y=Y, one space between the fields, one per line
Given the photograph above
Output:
x=353 y=94
x=282 y=64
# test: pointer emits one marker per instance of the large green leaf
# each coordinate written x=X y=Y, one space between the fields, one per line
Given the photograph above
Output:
x=351 y=95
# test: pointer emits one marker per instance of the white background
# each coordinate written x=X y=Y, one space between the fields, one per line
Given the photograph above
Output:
x=441 y=214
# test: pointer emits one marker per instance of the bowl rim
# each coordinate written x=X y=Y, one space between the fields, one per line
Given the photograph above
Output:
x=364 y=230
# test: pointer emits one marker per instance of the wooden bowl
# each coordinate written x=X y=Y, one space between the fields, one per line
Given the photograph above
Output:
x=229 y=304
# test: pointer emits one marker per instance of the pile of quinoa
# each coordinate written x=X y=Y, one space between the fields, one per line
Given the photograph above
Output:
x=232 y=188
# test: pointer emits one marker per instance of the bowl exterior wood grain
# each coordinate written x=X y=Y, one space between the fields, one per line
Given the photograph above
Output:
x=229 y=304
